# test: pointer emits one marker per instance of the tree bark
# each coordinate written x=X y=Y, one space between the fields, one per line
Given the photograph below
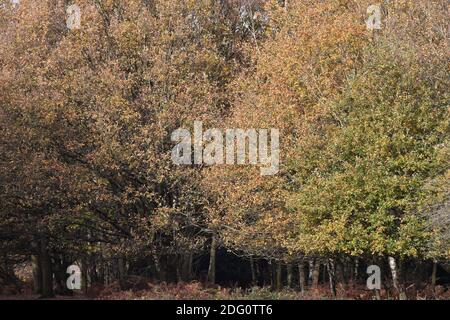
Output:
x=340 y=274
x=253 y=271
x=315 y=274
x=355 y=273
x=159 y=271
x=59 y=271
x=257 y=271
x=190 y=271
x=186 y=267
x=434 y=277
x=290 y=274
x=46 y=268
x=212 y=261
x=332 y=275
x=395 y=278
x=37 y=274
x=271 y=274
x=179 y=261
x=310 y=272
x=377 y=294
x=278 y=283
x=301 y=276
x=84 y=275
x=122 y=272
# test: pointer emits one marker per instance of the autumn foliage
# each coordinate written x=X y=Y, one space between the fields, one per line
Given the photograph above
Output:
x=86 y=116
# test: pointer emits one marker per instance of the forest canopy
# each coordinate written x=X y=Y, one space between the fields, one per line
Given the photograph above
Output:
x=87 y=112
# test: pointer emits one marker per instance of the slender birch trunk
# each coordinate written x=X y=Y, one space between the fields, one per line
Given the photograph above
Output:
x=395 y=278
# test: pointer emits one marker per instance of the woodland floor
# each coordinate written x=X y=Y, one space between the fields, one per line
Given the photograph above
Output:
x=196 y=291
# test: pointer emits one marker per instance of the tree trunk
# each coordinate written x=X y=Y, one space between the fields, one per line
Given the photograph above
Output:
x=395 y=278
x=377 y=294
x=257 y=272
x=434 y=277
x=340 y=274
x=212 y=261
x=253 y=271
x=59 y=271
x=301 y=276
x=190 y=271
x=46 y=268
x=94 y=274
x=186 y=267
x=271 y=274
x=84 y=275
x=310 y=272
x=122 y=272
x=332 y=276
x=37 y=274
x=316 y=274
x=355 y=273
x=278 y=281
x=179 y=261
x=346 y=270
x=159 y=271
x=290 y=274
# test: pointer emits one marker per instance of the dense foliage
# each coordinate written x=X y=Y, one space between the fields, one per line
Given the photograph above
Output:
x=86 y=117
